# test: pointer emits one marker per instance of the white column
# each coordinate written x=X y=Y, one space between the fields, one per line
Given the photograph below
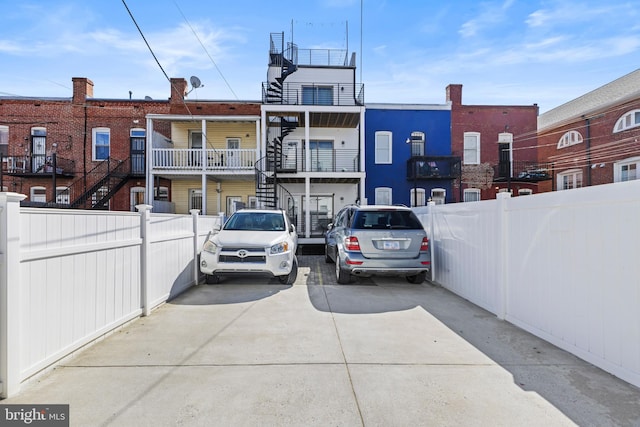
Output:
x=10 y=282
x=148 y=193
x=196 y=247
x=307 y=206
x=432 y=240
x=503 y=260
x=145 y=251
x=204 y=167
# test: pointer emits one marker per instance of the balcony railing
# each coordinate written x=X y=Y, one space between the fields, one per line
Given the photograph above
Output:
x=520 y=170
x=176 y=159
x=334 y=160
x=433 y=167
x=37 y=164
x=314 y=93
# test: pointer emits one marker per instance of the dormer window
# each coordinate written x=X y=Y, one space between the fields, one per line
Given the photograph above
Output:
x=572 y=137
x=629 y=120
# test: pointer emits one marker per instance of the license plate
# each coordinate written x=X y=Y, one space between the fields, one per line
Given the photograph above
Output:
x=391 y=246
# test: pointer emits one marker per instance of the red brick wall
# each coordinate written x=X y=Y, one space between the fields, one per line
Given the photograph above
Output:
x=489 y=121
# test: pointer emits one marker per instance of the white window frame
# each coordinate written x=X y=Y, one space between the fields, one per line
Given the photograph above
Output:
x=471 y=155
x=468 y=192
x=576 y=179
x=570 y=138
x=618 y=166
x=422 y=200
x=4 y=142
x=37 y=192
x=381 y=151
x=383 y=196
x=63 y=195
x=161 y=193
x=252 y=202
x=94 y=143
x=133 y=192
x=628 y=120
x=438 y=200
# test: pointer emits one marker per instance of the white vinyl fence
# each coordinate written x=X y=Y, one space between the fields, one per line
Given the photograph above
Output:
x=564 y=266
x=67 y=277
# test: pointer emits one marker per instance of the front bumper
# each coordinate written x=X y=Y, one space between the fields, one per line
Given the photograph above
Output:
x=223 y=262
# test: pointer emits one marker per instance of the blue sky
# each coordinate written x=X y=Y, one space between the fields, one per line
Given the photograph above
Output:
x=503 y=52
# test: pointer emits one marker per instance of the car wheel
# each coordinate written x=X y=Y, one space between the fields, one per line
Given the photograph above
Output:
x=327 y=258
x=342 y=276
x=418 y=278
x=212 y=279
x=290 y=278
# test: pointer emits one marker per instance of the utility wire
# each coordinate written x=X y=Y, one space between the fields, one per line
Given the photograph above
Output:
x=205 y=50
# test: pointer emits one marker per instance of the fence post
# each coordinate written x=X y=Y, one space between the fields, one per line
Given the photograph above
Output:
x=503 y=261
x=10 y=282
x=145 y=267
x=196 y=262
x=432 y=250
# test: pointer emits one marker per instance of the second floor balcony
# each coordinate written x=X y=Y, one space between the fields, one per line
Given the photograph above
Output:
x=313 y=93
x=33 y=165
x=522 y=170
x=197 y=160
x=325 y=160
x=433 y=167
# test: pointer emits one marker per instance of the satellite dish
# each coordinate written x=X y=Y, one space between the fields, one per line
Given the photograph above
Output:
x=148 y=98
x=195 y=82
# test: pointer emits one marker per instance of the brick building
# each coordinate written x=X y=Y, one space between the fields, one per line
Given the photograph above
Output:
x=498 y=148
x=595 y=138
x=78 y=134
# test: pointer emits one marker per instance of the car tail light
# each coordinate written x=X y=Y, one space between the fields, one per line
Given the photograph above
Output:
x=424 y=246
x=351 y=244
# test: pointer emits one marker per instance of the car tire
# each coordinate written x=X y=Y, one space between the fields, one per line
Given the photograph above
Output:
x=327 y=258
x=212 y=279
x=290 y=278
x=418 y=278
x=342 y=276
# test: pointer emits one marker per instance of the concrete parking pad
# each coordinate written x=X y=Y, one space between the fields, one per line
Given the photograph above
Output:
x=376 y=352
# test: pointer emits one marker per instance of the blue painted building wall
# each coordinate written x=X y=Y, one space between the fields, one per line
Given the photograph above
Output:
x=435 y=122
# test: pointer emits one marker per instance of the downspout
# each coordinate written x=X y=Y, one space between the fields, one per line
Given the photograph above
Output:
x=588 y=148
x=84 y=151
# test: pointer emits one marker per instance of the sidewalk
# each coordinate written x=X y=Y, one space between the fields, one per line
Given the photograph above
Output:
x=378 y=352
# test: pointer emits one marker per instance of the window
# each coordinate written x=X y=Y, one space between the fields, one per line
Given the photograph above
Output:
x=99 y=195
x=252 y=202
x=162 y=193
x=525 y=192
x=321 y=156
x=417 y=141
x=233 y=204
x=471 y=148
x=101 y=143
x=195 y=199
x=136 y=197
x=137 y=141
x=317 y=95
x=572 y=137
x=38 y=194
x=38 y=148
x=629 y=120
x=421 y=200
x=383 y=147
x=570 y=179
x=383 y=196
x=438 y=195
x=62 y=195
x=471 y=194
x=4 y=140
x=626 y=170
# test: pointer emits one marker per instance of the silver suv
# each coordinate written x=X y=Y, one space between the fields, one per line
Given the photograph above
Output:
x=378 y=240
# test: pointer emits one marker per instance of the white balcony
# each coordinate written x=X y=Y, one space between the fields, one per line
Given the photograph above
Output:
x=197 y=160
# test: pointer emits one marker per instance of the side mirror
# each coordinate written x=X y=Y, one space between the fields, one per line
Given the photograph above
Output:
x=292 y=228
x=329 y=226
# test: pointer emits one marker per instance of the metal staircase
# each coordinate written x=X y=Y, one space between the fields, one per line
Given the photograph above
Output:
x=268 y=192
x=99 y=185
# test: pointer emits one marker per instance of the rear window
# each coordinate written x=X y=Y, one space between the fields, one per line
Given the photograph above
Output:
x=365 y=220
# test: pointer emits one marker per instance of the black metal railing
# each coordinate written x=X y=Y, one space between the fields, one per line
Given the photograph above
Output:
x=37 y=164
x=330 y=160
x=522 y=170
x=314 y=93
x=433 y=167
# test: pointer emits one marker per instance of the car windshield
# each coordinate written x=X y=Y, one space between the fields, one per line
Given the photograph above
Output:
x=255 y=221
x=364 y=220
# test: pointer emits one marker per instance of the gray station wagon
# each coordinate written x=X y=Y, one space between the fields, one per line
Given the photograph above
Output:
x=377 y=240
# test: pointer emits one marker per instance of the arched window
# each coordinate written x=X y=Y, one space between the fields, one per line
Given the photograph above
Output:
x=628 y=120
x=572 y=137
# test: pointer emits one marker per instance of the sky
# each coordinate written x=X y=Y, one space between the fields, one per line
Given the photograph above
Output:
x=503 y=52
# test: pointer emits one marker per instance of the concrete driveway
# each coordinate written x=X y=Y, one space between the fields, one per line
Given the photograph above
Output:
x=378 y=352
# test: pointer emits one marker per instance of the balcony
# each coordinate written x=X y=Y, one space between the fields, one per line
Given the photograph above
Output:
x=433 y=168
x=35 y=165
x=194 y=160
x=313 y=93
x=521 y=170
x=340 y=160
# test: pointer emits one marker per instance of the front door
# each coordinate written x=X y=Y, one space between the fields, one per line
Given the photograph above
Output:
x=233 y=156
x=289 y=156
x=38 y=149
x=137 y=151
x=505 y=160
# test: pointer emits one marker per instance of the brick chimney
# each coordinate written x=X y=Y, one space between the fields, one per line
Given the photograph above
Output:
x=454 y=94
x=82 y=89
x=178 y=90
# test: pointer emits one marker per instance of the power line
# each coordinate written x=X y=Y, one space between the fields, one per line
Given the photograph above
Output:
x=205 y=49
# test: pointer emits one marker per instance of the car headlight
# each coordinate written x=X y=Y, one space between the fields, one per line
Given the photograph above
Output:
x=209 y=246
x=279 y=248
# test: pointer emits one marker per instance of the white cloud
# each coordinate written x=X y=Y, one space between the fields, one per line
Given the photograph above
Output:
x=491 y=15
